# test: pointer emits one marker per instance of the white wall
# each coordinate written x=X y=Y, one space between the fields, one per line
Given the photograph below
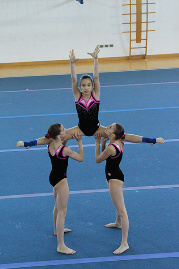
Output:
x=43 y=30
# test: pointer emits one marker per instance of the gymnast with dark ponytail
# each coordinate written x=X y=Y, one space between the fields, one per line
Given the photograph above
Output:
x=115 y=178
x=59 y=155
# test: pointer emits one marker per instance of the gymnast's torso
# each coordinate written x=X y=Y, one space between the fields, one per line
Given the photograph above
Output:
x=88 y=114
x=59 y=165
x=112 y=169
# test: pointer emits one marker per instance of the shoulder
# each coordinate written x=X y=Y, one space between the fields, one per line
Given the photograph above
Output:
x=118 y=146
x=111 y=148
x=77 y=95
x=95 y=95
x=66 y=151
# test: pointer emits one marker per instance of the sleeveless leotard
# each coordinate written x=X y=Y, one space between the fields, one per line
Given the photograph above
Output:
x=112 y=169
x=88 y=114
x=59 y=165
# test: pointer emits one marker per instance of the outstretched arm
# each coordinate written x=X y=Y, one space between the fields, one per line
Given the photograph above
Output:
x=44 y=141
x=139 y=139
x=133 y=138
x=94 y=54
x=36 y=142
x=75 y=89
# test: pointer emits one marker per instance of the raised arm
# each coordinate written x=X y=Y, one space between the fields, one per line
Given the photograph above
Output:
x=103 y=144
x=94 y=54
x=97 y=148
x=109 y=150
x=75 y=89
x=74 y=155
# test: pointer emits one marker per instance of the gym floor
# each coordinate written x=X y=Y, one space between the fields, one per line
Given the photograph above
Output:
x=145 y=102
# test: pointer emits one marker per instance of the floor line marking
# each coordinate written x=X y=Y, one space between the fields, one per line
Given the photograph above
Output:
x=100 y=112
x=102 y=86
x=89 y=191
x=72 y=146
x=92 y=260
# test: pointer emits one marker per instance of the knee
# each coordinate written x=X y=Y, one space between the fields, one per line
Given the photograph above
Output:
x=122 y=213
x=55 y=210
x=62 y=212
x=55 y=207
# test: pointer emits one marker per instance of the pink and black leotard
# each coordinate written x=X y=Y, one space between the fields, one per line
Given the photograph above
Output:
x=88 y=114
x=59 y=165
x=112 y=169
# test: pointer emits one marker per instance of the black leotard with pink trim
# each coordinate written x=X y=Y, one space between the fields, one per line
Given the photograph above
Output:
x=112 y=169
x=59 y=165
x=88 y=114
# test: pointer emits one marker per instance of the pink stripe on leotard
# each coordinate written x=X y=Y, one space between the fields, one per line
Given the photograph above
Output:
x=119 y=148
x=84 y=104
x=57 y=152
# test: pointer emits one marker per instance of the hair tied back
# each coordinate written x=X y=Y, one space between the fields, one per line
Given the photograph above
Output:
x=47 y=135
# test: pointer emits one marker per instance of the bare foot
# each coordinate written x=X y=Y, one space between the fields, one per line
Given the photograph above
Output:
x=113 y=225
x=121 y=249
x=66 y=250
x=66 y=230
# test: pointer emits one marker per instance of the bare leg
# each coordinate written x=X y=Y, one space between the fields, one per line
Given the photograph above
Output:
x=101 y=132
x=55 y=211
x=115 y=189
x=117 y=223
x=71 y=131
x=76 y=130
x=69 y=135
x=61 y=201
x=66 y=230
x=128 y=137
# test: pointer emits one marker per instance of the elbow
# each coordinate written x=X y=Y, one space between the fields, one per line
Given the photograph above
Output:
x=95 y=78
x=74 y=81
x=97 y=161
x=81 y=159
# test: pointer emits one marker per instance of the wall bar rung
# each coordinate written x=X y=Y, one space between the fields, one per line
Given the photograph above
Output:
x=149 y=12
x=135 y=4
x=135 y=22
x=138 y=47
x=135 y=39
x=136 y=13
x=127 y=32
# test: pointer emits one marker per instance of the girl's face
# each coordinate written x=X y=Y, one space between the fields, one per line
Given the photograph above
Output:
x=86 y=86
x=110 y=130
x=63 y=132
